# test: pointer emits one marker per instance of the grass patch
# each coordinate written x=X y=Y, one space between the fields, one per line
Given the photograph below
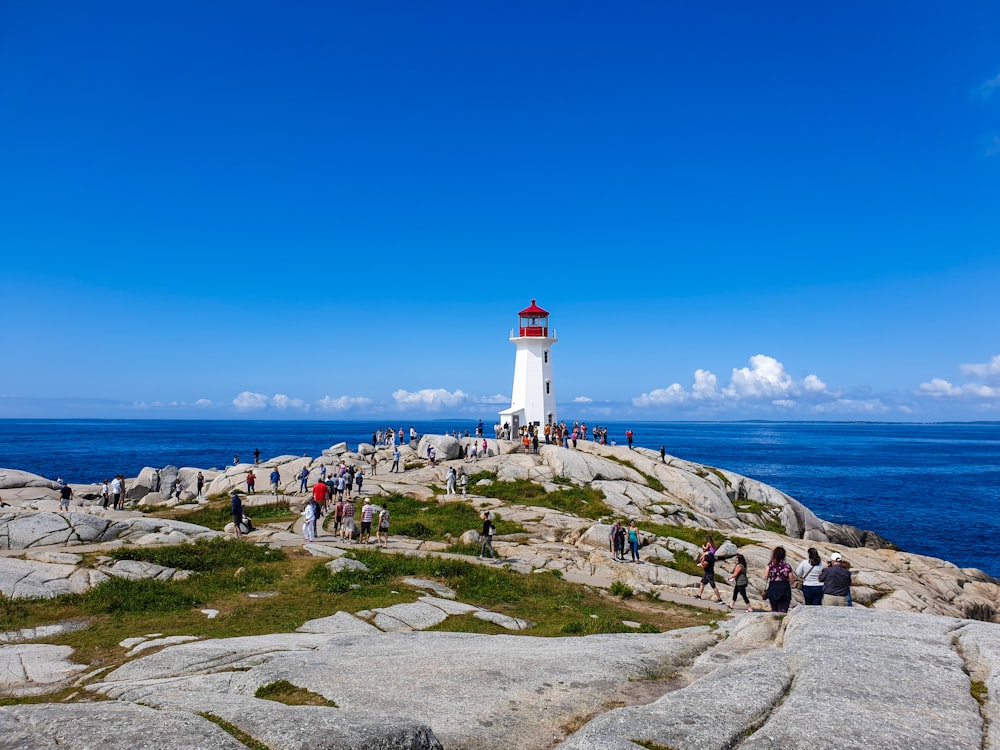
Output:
x=202 y=555
x=217 y=513
x=621 y=589
x=440 y=521
x=285 y=692
x=653 y=482
x=769 y=514
x=691 y=534
x=545 y=600
x=235 y=732
x=585 y=502
x=980 y=692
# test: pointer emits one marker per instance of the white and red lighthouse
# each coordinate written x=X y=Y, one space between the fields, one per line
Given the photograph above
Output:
x=533 y=396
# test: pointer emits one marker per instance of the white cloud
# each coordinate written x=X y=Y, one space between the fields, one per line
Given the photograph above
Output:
x=498 y=398
x=249 y=400
x=342 y=403
x=848 y=406
x=765 y=378
x=582 y=400
x=203 y=403
x=430 y=399
x=764 y=382
x=673 y=394
x=990 y=371
x=281 y=401
x=987 y=390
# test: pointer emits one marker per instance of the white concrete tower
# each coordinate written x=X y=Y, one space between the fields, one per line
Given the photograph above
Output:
x=533 y=397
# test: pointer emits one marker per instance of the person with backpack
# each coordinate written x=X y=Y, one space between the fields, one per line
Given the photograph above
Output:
x=740 y=580
x=382 y=532
x=487 y=537
x=236 y=507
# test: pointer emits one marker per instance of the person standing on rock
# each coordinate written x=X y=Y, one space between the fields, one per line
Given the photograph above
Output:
x=256 y=456
x=663 y=454
x=780 y=578
x=628 y=438
x=275 y=481
x=395 y=459
x=487 y=537
x=236 y=507
x=463 y=482
x=105 y=494
x=633 y=541
x=740 y=581
x=200 y=483
x=303 y=479
x=808 y=572
x=116 y=492
x=338 y=516
x=836 y=582
x=451 y=481
x=251 y=480
x=320 y=495
x=65 y=495
x=618 y=541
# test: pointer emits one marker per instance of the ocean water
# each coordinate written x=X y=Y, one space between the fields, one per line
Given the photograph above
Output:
x=933 y=489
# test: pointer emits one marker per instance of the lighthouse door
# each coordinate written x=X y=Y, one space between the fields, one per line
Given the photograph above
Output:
x=515 y=425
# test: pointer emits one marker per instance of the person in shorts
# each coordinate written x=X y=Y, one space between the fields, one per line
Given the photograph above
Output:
x=65 y=494
x=707 y=562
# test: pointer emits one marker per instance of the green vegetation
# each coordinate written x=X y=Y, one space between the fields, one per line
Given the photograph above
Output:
x=439 y=521
x=769 y=514
x=216 y=514
x=585 y=502
x=653 y=482
x=236 y=732
x=691 y=534
x=653 y=745
x=621 y=589
x=979 y=691
x=285 y=692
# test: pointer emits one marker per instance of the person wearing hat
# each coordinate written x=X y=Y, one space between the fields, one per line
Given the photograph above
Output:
x=366 y=522
x=836 y=580
x=237 y=509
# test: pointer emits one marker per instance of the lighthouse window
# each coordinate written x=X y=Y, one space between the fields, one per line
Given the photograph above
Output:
x=547 y=386
x=546 y=358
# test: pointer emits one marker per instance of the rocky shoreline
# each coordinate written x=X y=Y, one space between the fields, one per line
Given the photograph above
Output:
x=911 y=610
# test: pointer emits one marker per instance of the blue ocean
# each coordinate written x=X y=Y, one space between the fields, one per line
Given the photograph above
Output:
x=933 y=489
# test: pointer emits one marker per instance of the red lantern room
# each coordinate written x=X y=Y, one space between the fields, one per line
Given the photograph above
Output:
x=534 y=321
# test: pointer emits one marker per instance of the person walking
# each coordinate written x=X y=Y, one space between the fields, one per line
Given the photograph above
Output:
x=236 y=508
x=663 y=454
x=309 y=518
x=487 y=537
x=105 y=494
x=65 y=495
x=836 y=582
x=740 y=581
x=780 y=578
x=395 y=459
x=303 y=477
x=347 y=527
x=367 y=511
x=808 y=572
x=275 y=481
x=463 y=482
x=382 y=532
x=451 y=481
x=707 y=562
x=251 y=481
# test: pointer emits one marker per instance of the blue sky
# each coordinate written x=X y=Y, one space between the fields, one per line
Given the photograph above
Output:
x=335 y=210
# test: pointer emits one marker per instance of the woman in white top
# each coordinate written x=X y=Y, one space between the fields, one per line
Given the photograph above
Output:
x=808 y=572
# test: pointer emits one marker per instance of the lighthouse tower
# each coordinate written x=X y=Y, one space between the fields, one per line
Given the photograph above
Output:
x=533 y=397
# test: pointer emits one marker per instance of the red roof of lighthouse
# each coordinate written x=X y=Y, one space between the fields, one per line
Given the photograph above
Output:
x=533 y=310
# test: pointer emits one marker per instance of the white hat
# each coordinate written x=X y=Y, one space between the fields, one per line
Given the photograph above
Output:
x=836 y=556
